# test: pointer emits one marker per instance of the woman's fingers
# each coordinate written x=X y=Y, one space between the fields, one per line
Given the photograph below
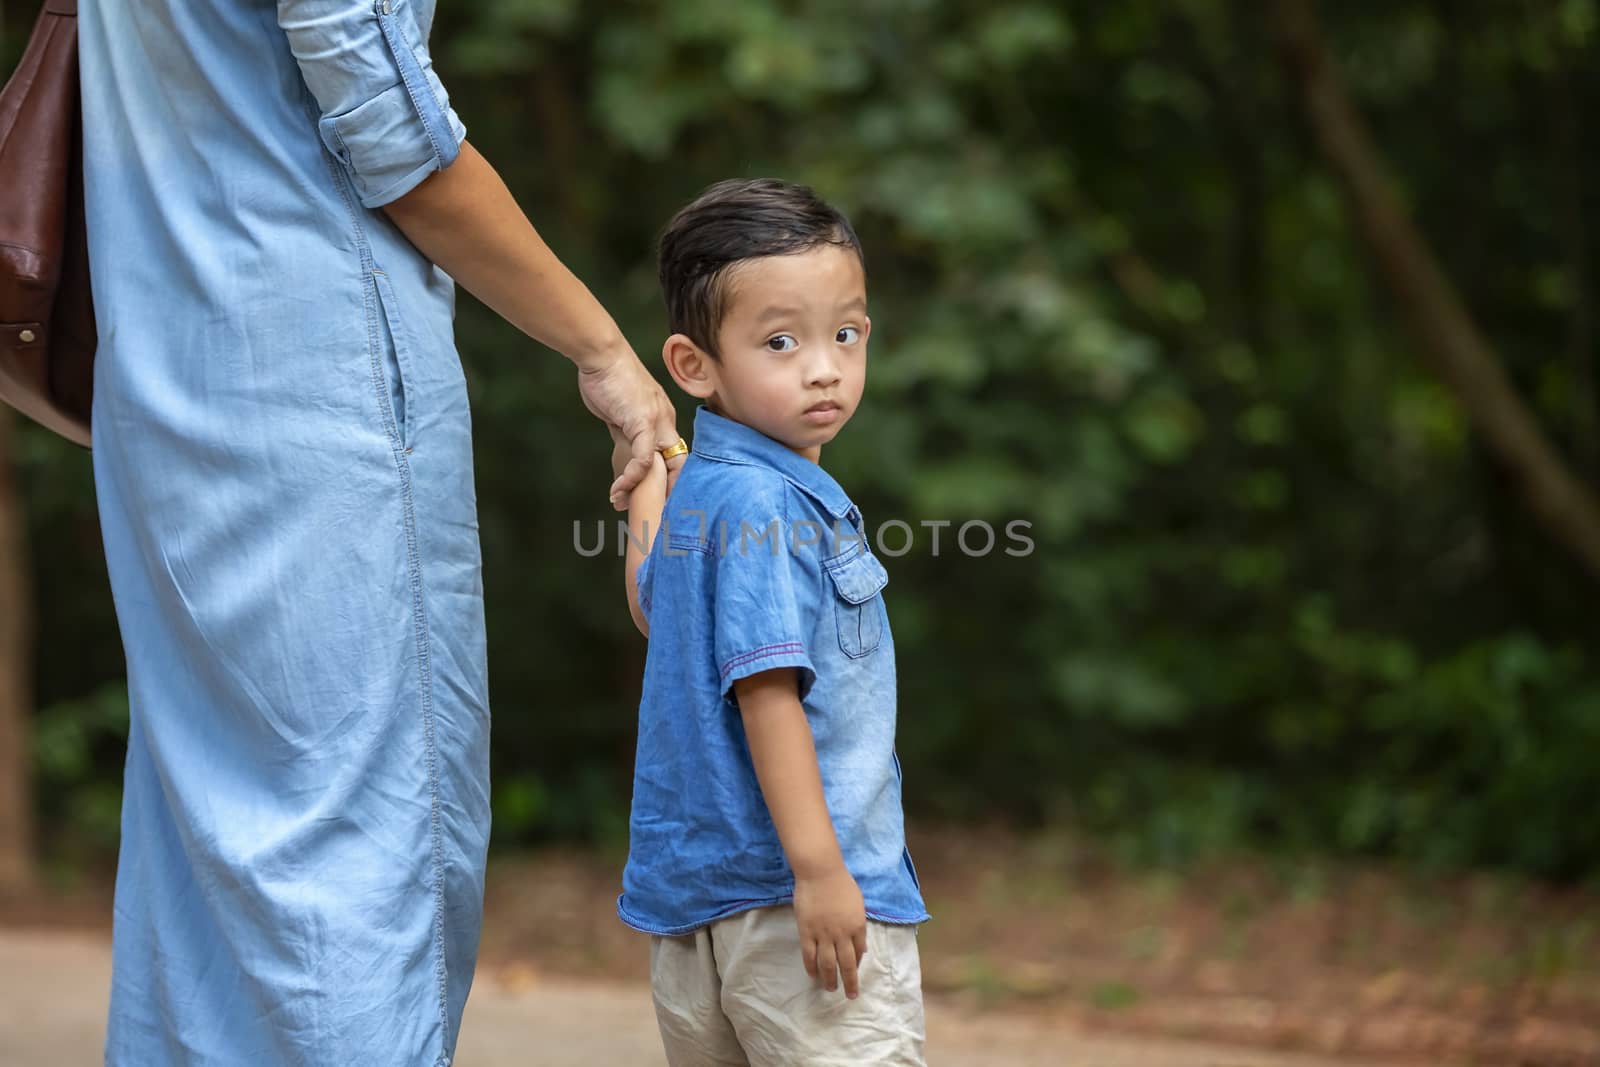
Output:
x=667 y=435
x=621 y=494
x=644 y=452
x=644 y=458
x=632 y=404
x=622 y=488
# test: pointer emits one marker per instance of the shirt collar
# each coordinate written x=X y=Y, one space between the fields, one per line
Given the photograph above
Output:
x=716 y=437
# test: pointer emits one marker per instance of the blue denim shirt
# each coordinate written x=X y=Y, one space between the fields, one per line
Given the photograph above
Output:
x=761 y=562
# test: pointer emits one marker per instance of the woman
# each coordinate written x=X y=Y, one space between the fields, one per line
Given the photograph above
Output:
x=279 y=196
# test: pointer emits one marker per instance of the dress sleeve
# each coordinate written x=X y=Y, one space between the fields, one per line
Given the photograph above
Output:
x=385 y=114
x=763 y=598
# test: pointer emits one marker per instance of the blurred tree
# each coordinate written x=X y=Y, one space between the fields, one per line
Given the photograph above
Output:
x=1450 y=341
x=1282 y=587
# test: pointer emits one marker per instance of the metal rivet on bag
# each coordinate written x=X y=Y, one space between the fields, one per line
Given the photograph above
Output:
x=26 y=336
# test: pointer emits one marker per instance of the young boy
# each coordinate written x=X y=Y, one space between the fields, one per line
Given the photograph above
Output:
x=767 y=851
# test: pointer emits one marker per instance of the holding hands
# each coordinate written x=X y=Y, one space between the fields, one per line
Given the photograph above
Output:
x=636 y=410
x=622 y=456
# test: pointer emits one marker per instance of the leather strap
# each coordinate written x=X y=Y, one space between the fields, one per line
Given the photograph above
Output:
x=68 y=8
x=11 y=335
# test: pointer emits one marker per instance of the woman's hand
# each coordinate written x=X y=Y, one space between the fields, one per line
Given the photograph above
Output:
x=634 y=407
x=621 y=451
x=622 y=455
x=464 y=219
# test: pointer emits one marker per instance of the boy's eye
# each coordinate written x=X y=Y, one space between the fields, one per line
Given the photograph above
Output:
x=782 y=343
x=847 y=335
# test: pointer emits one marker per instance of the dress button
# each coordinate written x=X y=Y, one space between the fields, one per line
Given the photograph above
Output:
x=26 y=336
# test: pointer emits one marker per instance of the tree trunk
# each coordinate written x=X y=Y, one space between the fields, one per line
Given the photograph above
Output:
x=16 y=780
x=1567 y=132
x=1447 y=339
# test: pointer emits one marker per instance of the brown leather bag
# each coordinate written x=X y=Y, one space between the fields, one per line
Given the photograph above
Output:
x=47 y=331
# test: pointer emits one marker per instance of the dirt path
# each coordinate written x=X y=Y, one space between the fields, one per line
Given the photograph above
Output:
x=53 y=990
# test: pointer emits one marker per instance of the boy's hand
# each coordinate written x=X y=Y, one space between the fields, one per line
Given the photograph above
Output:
x=827 y=902
x=833 y=927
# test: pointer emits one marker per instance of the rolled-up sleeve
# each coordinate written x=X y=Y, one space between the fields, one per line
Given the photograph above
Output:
x=385 y=114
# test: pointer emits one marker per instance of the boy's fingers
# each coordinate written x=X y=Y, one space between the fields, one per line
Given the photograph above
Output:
x=808 y=956
x=847 y=968
x=828 y=965
x=859 y=939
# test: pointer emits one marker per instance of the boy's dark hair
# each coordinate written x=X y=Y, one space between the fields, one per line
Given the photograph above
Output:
x=733 y=221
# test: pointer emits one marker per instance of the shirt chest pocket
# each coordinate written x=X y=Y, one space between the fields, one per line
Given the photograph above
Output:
x=858 y=580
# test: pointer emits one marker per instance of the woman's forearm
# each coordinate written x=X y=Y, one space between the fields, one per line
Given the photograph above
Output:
x=464 y=219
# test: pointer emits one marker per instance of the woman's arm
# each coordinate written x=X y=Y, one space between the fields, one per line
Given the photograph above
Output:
x=464 y=219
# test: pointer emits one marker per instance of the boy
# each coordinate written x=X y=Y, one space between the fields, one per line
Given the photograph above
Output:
x=767 y=849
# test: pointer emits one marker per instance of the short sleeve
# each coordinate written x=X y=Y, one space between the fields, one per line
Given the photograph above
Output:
x=761 y=603
x=384 y=113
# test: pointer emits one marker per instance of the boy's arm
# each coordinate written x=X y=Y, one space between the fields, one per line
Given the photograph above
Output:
x=827 y=902
x=648 y=501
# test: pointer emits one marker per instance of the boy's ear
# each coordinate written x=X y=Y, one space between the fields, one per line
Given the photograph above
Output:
x=866 y=327
x=693 y=370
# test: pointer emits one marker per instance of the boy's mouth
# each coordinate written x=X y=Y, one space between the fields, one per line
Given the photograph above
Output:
x=824 y=411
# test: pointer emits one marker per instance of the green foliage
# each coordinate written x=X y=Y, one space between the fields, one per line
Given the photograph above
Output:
x=1277 y=593
x=71 y=741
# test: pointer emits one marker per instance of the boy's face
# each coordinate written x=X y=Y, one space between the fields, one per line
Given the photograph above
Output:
x=794 y=347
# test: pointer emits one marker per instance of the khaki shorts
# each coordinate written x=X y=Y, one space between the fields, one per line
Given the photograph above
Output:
x=735 y=994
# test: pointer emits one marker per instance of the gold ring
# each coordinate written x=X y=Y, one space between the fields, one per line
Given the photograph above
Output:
x=677 y=448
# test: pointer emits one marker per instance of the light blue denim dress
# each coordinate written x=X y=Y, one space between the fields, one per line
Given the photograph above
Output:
x=282 y=454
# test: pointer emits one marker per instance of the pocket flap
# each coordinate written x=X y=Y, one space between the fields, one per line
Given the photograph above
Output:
x=858 y=577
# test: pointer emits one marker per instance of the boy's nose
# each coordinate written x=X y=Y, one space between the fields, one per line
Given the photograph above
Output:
x=825 y=371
